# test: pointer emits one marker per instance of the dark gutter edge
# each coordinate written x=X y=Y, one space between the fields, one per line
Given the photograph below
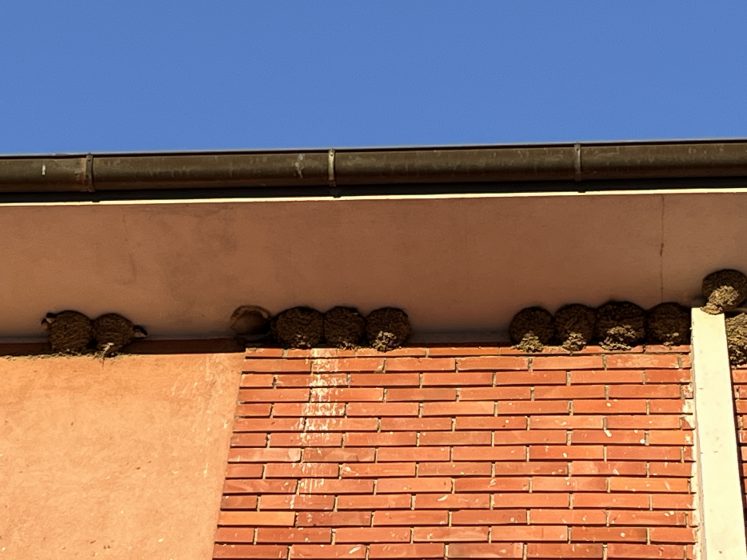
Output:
x=508 y=168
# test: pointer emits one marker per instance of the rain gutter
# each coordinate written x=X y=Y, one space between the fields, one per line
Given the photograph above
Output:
x=347 y=172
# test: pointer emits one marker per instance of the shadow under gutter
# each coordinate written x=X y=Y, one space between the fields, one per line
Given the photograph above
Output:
x=351 y=172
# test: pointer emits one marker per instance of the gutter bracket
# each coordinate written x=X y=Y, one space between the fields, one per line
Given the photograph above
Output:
x=331 y=179
x=577 y=170
x=88 y=177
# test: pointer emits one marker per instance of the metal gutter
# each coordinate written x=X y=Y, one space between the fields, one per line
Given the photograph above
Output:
x=504 y=168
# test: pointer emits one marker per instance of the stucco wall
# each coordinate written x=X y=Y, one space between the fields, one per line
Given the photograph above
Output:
x=455 y=263
x=122 y=458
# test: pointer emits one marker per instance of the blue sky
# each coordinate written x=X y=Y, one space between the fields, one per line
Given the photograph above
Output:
x=164 y=75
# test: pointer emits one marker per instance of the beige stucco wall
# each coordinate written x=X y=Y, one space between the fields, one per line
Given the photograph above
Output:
x=122 y=458
x=455 y=263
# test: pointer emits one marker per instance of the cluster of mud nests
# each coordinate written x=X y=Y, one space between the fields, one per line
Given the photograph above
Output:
x=72 y=332
x=384 y=329
x=725 y=291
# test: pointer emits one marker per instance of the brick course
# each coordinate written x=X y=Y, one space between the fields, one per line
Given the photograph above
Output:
x=462 y=452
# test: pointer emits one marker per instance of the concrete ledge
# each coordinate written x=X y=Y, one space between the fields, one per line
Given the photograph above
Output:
x=722 y=529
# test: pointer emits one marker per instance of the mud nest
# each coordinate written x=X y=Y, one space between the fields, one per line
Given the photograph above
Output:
x=113 y=332
x=344 y=327
x=387 y=328
x=724 y=290
x=736 y=338
x=668 y=323
x=250 y=322
x=298 y=327
x=574 y=326
x=620 y=325
x=69 y=332
x=531 y=329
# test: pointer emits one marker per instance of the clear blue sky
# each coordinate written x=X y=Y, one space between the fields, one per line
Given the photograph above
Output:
x=109 y=75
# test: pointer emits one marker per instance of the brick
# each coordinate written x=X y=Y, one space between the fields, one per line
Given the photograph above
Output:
x=494 y=393
x=366 y=470
x=256 y=380
x=653 y=361
x=273 y=395
x=300 y=470
x=348 y=364
x=670 y=469
x=346 y=394
x=305 y=502
x=450 y=534
x=383 y=409
x=410 y=518
x=455 y=438
x=607 y=468
x=629 y=551
x=648 y=518
x=566 y=452
x=257 y=455
x=533 y=378
x=499 y=484
x=532 y=407
x=420 y=364
x=378 y=502
x=311 y=380
x=327 y=551
x=666 y=406
x=576 y=550
x=341 y=424
x=457 y=379
x=334 y=519
x=258 y=486
x=609 y=437
x=606 y=377
x=267 y=425
x=684 y=535
x=530 y=500
x=641 y=453
x=611 y=501
x=670 y=437
x=566 y=422
x=490 y=423
x=504 y=453
x=249 y=440
x=666 y=422
x=466 y=350
x=304 y=439
x=257 y=518
x=265 y=352
x=418 y=424
x=609 y=407
x=249 y=551
x=372 y=439
x=324 y=409
x=531 y=468
x=372 y=535
x=385 y=380
x=397 y=485
x=338 y=455
x=430 y=550
x=489 y=517
x=645 y=392
x=567 y=362
x=335 y=486
x=568 y=484
x=492 y=363
x=236 y=535
x=472 y=408
x=253 y=410
x=609 y=534
x=530 y=533
x=413 y=351
x=239 y=502
x=470 y=468
x=668 y=376
x=500 y=550
x=672 y=501
x=568 y=517
x=570 y=392
x=420 y=395
x=452 y=501
x=244 y=471
x=413 y=454
x=275 y=365
x=304 y=535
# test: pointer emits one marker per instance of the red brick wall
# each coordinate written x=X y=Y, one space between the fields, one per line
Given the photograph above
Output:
x=460 y=453
x=739 y=379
